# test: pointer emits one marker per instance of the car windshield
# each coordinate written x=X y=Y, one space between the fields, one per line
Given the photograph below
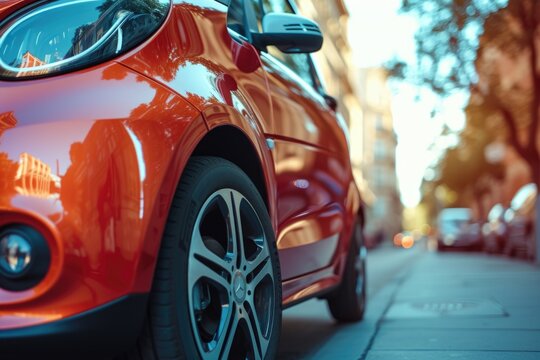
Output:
x=452 y=225
x=452 y=220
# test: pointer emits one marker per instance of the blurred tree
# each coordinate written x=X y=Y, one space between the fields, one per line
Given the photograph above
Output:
x=436 y=197
x=490 y=48
x=447 y=42
x=465 y=169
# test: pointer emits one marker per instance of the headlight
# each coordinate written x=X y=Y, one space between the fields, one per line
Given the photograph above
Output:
x=15 y=254
x=449 y=240
x=64 y=35
x=24 y=257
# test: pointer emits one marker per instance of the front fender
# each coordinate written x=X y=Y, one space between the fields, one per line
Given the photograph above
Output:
x=87 y=155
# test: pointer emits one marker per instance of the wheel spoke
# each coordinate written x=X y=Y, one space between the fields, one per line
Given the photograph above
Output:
x=200 y=270
x=234 y=200
x=264 y=269
x=258 y=341
x=223 y=347
x=359 y=266
x=262 y=256
x=207 y=257
x=237 y=262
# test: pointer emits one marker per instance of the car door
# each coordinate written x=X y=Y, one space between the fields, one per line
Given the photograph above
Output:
x=310 y=158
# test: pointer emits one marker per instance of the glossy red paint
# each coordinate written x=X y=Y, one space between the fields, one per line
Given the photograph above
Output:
x=106 y=170
x=108 y=145
x=9 y=6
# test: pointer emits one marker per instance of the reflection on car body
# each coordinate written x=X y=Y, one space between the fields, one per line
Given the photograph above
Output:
x=164 y=173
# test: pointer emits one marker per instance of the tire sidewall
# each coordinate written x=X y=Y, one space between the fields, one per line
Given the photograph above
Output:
x=345 y=303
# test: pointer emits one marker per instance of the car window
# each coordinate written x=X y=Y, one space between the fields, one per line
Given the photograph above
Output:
x=280 y=6
x=454 y=215
x=235 y=18
x=448 y=226
x=299 y=63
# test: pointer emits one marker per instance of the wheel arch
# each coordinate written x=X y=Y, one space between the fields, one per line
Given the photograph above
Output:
x=225 y=141
x=232 y=144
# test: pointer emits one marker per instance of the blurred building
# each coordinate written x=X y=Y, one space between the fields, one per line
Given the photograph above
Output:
x=335 y=64
x=365 y=101
x=384 y=217
x=335 y=59
x=7 y=121
x=339 y=74
x=35 y=178
x=31 y=61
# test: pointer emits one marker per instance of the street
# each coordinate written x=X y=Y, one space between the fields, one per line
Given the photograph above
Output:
x=426 y=305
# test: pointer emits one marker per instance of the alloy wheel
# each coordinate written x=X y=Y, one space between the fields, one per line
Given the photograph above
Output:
x=360 y=266
x=230 y=280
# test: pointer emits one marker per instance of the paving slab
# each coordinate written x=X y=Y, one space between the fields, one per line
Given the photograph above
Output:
x=445 y=307
x=351 y=341
x=457 y=339
x=310 y=332
x=463 y=306
x=438 y=307
x=452 y=355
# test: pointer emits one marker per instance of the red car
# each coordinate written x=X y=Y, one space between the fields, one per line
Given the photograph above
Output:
x=172 y=175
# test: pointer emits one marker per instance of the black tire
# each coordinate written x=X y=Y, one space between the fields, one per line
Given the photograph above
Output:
x=348 y=302
x=175 y=325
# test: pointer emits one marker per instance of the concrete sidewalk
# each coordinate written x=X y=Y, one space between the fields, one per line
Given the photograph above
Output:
x=449 y=306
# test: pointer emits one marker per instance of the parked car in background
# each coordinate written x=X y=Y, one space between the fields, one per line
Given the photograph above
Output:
x=172 y=175
x=456 y=230
x=470 y=236
x=520 y=218
x=495 y=230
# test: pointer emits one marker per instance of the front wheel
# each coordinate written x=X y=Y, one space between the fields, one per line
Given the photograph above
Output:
x=348 y=302
x=217 y=285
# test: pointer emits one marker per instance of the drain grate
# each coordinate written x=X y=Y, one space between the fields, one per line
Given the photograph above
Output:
x=444 y=308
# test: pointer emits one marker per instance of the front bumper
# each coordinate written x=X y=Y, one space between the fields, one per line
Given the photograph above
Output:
x=100 y=333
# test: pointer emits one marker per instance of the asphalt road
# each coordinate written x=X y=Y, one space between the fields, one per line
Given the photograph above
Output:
x=308 y=326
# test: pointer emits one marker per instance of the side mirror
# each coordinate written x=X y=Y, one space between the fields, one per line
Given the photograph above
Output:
x=292 y=34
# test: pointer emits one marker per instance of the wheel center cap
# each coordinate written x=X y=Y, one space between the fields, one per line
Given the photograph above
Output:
x=239 y=287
